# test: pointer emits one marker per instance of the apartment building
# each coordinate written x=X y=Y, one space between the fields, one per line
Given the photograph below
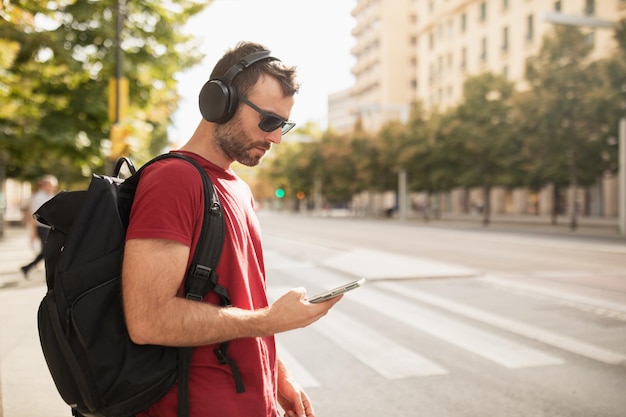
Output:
x=461 y=38
x=423 y=50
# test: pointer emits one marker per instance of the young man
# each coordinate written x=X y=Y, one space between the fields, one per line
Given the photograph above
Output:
x=245 y=106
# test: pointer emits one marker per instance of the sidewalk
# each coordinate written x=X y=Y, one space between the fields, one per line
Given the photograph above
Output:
x=590 y=227
x=26 y=388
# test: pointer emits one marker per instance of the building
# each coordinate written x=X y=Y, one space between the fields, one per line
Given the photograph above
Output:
x=423 y=50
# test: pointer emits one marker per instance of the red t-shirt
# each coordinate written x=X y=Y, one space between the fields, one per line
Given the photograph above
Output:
x=169 y=205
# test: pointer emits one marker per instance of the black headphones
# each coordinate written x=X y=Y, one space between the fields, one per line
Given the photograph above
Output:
x=218 y=98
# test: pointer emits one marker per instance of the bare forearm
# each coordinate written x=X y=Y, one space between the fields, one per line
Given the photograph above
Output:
x=182 y=322
x=156 y=315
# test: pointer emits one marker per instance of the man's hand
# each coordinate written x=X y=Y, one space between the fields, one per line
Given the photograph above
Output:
x=292 y=311
x=292 y=398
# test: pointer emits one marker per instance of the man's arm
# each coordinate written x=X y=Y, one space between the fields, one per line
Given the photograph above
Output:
x=151 y=276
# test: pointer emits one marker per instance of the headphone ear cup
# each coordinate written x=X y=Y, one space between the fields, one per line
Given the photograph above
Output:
x=218 y=97
x=215 y=101
x=233 y=102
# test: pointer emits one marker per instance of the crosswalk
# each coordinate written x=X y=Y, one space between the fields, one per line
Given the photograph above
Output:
x=500 y=340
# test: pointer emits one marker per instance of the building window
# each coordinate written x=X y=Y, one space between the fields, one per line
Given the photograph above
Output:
x=464 y=22
x=505 y=39
x=505 y=4
x=505 y=72
x=463 y=59
x=483 y=50
x=483 y=11
x=530 y=28
x=557 y=6
x=590 y=7
x=439 y=66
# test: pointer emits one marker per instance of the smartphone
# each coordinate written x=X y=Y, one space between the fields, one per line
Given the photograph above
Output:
x=327 y=295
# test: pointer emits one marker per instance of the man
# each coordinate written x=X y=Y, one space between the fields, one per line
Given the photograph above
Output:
x=245 y=106
x=46 y=188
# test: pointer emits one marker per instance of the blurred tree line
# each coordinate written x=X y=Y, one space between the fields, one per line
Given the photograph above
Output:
x=560 y=128
x=56 y=59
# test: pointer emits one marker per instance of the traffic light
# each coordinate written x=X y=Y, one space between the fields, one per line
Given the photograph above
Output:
x=119 y=144
x=280 y=193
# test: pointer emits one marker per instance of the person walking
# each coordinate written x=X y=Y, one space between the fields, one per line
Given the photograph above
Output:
x=46 y=189
x=245 y=109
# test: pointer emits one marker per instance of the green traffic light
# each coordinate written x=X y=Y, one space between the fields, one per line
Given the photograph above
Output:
x=280 y=193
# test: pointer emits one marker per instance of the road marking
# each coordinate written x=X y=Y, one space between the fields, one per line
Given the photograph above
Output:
x=296 y=369
x=545 y=336
x=375 y=350
x=561 y=295
x=375 y=264
x=480 y=342
x=275 y=260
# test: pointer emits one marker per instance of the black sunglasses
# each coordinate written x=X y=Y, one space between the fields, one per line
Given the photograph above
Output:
x=269 y=122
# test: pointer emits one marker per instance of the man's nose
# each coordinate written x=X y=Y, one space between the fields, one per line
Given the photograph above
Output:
x=275 y=136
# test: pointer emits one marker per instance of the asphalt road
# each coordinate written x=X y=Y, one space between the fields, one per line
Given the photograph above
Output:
x=454 y=322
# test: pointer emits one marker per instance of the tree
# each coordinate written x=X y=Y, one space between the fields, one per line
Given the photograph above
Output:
x=419 y=155
x=560 y=115
x=484 y=135
x=59 y=59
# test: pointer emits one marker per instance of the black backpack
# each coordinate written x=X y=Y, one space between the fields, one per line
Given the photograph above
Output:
x=95 y=366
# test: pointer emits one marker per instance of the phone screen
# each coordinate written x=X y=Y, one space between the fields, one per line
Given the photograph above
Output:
x=327 y=295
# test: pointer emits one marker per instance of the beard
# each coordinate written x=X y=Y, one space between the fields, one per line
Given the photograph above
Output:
x=236 y=144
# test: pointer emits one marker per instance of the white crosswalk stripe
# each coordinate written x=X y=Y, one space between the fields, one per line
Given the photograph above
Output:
x=532 y=332
x=480 y=342
x=374 y=349
x=444 y=319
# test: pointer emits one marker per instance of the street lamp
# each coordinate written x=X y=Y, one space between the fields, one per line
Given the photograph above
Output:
x=589 y=21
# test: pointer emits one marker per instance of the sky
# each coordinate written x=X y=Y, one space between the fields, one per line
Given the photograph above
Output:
x=313 y=35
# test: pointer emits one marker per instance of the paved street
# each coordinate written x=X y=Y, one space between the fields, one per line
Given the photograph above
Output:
x=451 y=323
x=455 y=322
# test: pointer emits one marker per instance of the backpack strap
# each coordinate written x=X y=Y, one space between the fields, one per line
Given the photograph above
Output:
x=201 y=276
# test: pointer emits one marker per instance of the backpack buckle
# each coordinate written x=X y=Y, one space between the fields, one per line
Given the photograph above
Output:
x=201 y=280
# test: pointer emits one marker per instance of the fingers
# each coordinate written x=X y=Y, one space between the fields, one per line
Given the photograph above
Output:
x=292 y=311
x=302 y=406
x=308 y=407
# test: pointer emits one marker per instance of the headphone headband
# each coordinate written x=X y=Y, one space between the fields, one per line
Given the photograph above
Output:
x=245 y=62
x=218 y=97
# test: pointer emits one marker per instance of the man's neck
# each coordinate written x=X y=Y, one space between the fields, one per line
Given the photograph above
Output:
x=202 y=143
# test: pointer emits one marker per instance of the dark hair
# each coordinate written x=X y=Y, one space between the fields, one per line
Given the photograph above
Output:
x=285 y=75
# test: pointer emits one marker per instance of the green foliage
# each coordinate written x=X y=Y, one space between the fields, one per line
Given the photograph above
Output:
x=58 y=57
x=565 y=114
x=483 y=136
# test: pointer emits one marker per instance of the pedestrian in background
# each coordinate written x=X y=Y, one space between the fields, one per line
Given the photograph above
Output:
x=46 y=189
